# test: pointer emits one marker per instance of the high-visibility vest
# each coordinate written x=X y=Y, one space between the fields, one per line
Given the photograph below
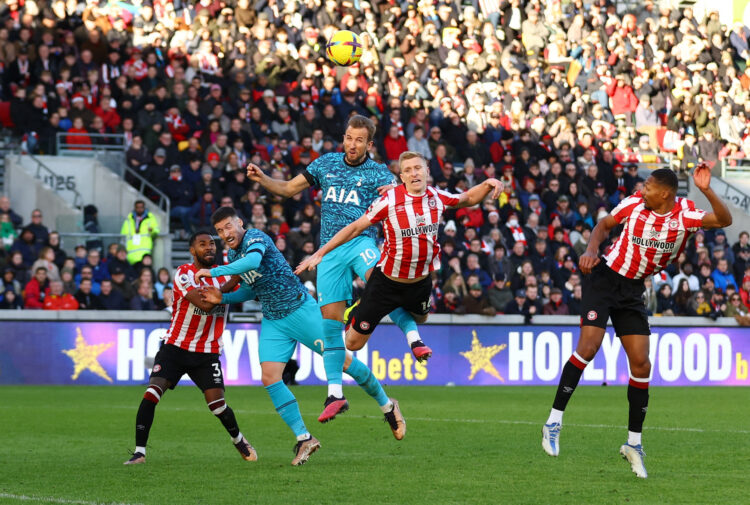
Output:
x=139 y=237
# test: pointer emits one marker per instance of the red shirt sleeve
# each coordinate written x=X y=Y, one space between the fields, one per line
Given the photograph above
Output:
x=625 y=208
x=379 y=209
x=448 y=199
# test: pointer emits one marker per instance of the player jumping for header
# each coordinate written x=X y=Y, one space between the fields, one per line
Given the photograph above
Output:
x=657 y=225
x=411 y=215
x=290 y=315
x=193 y=344
x=349 y=182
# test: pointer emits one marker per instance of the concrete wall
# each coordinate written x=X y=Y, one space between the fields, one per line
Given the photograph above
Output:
x=97 y=185
x=27 y=193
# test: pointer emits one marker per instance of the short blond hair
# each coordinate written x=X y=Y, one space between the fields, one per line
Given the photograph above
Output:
x=407 y=155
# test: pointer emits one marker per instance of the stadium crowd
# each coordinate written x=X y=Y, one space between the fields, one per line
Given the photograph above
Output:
x=562 y=100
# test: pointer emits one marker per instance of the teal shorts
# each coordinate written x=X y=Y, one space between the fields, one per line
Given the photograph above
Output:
x=337 y=270
x=279 y=337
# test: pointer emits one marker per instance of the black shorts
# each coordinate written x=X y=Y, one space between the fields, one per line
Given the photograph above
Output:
x=383 y=295
x=608 y=294
x=172 y=362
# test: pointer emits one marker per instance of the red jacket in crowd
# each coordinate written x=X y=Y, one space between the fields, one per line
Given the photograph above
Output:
x=394 y=147
x=34 y=295
x=624 y=100
x=66 y=301
x=82 y=139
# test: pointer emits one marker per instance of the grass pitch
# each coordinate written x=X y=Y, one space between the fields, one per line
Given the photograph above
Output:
x=463 y=445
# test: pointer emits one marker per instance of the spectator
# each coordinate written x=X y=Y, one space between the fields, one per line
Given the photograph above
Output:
x=56 y=299
x=140 y=228
x=99 y=271
x=85 y=298
x=111 y=299
x=26 y=245
x=47 y=260
x=477 y=302
x=181 y=198
x=517 y=305
x=87 y=272
x=555 y=306
x=8 y=233
x=665 y=304
x=722 y=277
x=142 y=299
x=37 y=290
x=122 y=285
x=10 y=301
x=735 y=307
x=15 y=219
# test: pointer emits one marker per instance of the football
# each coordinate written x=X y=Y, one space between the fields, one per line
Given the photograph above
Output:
x=344 y=48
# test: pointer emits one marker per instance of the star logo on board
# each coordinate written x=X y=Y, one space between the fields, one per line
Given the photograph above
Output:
x=86 y=357
x=480 y=357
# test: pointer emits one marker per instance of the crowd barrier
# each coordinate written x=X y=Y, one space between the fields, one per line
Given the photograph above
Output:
x=96 y=348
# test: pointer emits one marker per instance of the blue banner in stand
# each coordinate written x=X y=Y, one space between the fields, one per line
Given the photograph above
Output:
x=114 y=353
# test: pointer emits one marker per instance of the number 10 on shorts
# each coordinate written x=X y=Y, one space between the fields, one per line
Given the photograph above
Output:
x=369 y=256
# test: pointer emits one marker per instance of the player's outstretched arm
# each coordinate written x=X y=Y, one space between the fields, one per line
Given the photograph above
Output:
x=344 y=235
x=720 y=217
x=479 y=192
x=215 y=296
x=286 y=189
x=599 y=234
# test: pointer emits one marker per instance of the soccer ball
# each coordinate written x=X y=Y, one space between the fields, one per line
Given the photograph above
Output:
x=344 y=48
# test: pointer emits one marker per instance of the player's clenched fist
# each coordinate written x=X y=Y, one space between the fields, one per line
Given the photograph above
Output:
x=702 y=176
x=254 y=173
x=210 y=294
x=587 y=262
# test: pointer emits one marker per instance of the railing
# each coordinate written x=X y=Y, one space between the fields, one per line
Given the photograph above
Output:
x=55 y=182
x=98 y=142
x=145 y=188
x=69 y=240
x=735 y=166
x=731 y=194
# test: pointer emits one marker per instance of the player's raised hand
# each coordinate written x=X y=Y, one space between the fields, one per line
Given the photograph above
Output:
x=385 y=189
x=702 y=176
x=210 y=294
x=200 y=274
x=587 y=262
x=309 y=263
x=254 y=173
x=497 y=187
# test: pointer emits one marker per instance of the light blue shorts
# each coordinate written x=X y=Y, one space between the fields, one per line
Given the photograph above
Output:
x=279 y=337
x=337 y=270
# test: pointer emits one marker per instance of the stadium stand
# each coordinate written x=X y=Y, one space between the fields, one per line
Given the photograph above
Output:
x=570 y=103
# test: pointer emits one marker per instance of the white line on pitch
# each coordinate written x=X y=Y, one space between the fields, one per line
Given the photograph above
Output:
x=52 y=499
x=647 y=427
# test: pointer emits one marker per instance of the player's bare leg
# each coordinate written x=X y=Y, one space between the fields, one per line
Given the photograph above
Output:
x=287 y=407
x=334 y=354
x=588 y=345
x=406 y=322
x=637 y=348
x=218 y=407
x=157 y=386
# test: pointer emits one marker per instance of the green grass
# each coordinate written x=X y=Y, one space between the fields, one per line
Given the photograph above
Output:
x=463 y=446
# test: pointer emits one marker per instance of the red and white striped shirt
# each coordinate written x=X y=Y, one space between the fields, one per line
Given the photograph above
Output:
x=191 y=328
x=410 y=226
x=650 y=241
